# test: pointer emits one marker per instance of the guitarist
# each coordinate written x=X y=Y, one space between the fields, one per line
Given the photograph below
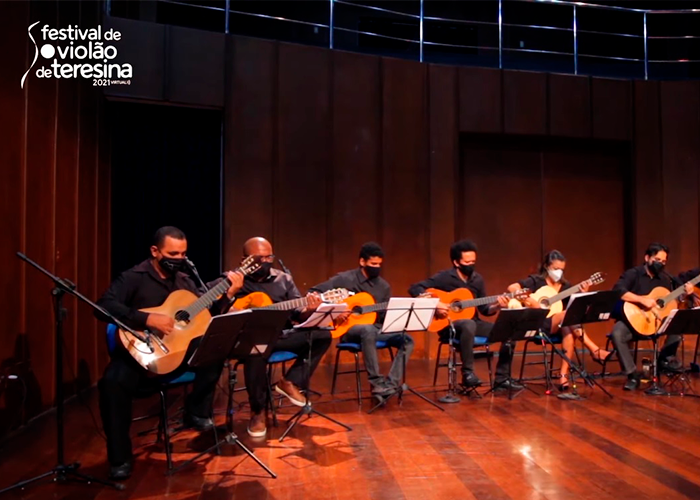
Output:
x=148 y=285
x=279 y=286
x=551 y=274
x=667 y=360
x=634 y=284
x=366 y=278
x=463 y=275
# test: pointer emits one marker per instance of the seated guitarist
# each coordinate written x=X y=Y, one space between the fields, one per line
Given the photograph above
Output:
x=634 y=284
x=463 y=275
x=667 y=355
x=366 y=278
x=148 y=285
x=551 y=274
x=279 y=286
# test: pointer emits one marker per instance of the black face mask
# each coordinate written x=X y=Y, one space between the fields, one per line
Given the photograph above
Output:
x=263 y=272
x=655 y=267
x=171 y=266
x=372 y=272
x=466 y=270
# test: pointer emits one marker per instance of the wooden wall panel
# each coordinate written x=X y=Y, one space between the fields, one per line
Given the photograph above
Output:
x=680 y=130
x=611 y=104
x=249 y=143
x=67 y=140
x=525 y=102
x=103 y=273
x=193 y=52
x=405 y=176
x=501 y=208
x=584 y=213
x=480 y=100
x=40 y=213
x=444 y=161
x=569 y=106
x=304 y=152
x=648 y=195
x=355 y=202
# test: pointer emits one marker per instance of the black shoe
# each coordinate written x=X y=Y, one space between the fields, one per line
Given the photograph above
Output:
x=121 y=472
x=470 y=380
x=670 y=365
x=200 y=423
x=632 y=382
x=383 y=390
x=508 y=384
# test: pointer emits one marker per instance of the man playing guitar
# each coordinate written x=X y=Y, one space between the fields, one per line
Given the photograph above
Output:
x=144 y=286
x=366 y=278
x=462 y=275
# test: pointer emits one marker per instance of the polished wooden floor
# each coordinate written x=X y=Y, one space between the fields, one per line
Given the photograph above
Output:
x=534 y=447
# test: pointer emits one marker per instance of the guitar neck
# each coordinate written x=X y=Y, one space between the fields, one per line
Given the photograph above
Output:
x=482 y=301
x=380 y=306
x=208 y=299
x=567 y=293
x=679 y=291
x=288 y=305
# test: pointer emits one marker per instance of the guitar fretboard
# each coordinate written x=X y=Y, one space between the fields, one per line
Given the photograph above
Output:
x=679 y=291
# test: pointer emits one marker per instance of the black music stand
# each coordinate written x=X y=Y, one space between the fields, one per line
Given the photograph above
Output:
x=64 y=472
x=512 y=325
x=584 y=308
x=322 y=318
x=404 y=314
x=679 y=322
x=233 y=336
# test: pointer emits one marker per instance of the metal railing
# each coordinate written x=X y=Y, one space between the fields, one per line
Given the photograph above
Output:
x=574 y=38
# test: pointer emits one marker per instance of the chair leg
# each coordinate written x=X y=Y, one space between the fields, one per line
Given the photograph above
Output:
x=488 y=363
x=357 y=379
x=335 y=370
x=437 y=362
x=166 y=433
x=391 y=353
x=636 y=350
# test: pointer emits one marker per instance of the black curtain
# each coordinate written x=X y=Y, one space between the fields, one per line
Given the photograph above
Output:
x=166 y=171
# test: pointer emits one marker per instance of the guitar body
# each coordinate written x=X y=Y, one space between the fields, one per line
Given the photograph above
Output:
x=647 y=322
x=541 y=297
x=252 y=300
x=177 y=342
x=456 y=313
x=355 y=302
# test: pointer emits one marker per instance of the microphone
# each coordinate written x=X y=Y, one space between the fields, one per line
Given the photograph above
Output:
x=284 y=268
x=192 y=267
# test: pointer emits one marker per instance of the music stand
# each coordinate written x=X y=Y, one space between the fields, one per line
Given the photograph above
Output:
x=679 y=322
x=512 y=325
x=233 y=336
x=584 y=308
x=322 y=318
x=402 y=315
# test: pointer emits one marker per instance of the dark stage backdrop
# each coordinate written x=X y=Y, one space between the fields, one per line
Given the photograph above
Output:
x=324 y=150
x=166 y=171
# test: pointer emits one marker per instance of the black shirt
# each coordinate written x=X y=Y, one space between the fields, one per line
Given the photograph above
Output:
x=142 y=287
x=638 y=281
x=448 y=281
x=355 y=281
x=686 y=276
x=278 y=285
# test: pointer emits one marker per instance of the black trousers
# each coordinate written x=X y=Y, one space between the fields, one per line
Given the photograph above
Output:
x=124 y=380
x=622 y=335
x=466 y=330
x=296 y=341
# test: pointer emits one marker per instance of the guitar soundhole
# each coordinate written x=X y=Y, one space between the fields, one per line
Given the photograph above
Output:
x=183 y=316
x=660 y=303
x=544 y=302
x=357 y=310
x=457 y=307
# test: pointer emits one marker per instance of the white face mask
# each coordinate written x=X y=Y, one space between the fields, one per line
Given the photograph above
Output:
x=555 y=274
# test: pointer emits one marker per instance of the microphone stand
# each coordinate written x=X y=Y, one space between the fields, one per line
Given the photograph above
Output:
x=193 y=268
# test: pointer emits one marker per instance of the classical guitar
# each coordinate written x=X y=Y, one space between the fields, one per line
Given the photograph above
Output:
x=260 y=300
x=462 y=304
x=647 y=322
x=547 y=296
x=167 y=352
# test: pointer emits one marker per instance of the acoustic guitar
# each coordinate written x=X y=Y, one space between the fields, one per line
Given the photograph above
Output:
x=260 y=300
x=462 y=304
x=191 y=313
x=647 y=322
x=547 y=296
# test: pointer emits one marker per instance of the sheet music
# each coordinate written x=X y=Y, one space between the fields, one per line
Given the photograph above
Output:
x=400 y=307
x=324 y=316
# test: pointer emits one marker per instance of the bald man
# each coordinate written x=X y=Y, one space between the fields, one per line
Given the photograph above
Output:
x=279 y=286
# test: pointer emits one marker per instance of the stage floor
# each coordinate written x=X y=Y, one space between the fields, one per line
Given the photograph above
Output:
x=534 y=447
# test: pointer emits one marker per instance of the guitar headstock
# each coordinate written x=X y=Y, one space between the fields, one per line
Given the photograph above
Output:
x=335 y=296
x=250 y=264
x=597 y=278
